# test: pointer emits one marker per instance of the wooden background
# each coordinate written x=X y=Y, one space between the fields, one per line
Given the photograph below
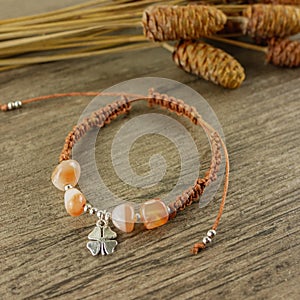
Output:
x=256 y=253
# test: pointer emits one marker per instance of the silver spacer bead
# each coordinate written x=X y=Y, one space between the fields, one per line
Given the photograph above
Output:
x=10 y=106
x=87 y=208
x=18 y=104
x=68 y=186
x=101 y=213
x=206 y=240
x=14 y=105
x=107 y=216
x=137 y=217
x=211 y=233
x=93 y=210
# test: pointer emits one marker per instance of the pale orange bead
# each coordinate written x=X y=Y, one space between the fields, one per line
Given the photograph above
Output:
x=123 y=217
x=154 y=213
x=67 y=172
x=74 y=202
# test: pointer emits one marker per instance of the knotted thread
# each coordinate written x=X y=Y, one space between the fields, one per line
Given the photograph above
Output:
x=267 y=21
x=163 y=23
x=284 y=52
x=193 y=193
x=98 y=118
x=105 y=115
x=210 y=63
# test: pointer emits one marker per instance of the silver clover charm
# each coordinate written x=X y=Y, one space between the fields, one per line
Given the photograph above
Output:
x=102 y=240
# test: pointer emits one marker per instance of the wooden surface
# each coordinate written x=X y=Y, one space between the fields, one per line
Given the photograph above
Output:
x=256 y=253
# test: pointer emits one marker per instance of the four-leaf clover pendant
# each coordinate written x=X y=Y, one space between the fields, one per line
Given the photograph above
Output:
x=102 y=240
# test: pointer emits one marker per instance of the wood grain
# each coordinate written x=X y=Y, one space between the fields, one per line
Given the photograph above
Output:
x=256 y=254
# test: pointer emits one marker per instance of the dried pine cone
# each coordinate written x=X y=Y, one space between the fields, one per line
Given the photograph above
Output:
x=210 y=63
x=267 y=21
x=284 y=53
x=232 y=26
x=286 y=2
x=163 y=23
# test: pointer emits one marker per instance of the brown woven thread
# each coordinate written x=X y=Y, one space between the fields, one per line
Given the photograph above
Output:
x=284 y=53
x=105 y=115
x=267 y=21
x=163 y=23
x=210 y=63
x=111 y=111
x=192 y=194
x=99 y=118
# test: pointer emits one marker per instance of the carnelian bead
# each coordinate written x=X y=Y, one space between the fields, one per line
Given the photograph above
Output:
x=154 y=213
x=67 y=172
x=74 y=202
x=123 y=217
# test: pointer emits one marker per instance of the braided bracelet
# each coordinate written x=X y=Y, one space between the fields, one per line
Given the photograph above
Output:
x=153 y=213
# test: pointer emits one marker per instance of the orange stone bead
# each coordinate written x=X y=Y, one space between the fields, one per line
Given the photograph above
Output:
x=154 y=213
x=74 y=202
x=67 y=172
x=123 y=217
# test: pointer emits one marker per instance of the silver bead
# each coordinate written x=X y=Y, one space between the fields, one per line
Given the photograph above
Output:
x=206 y=240
x=211 y=233
x=14 y=105
x=93 y=210
x=87 y=208
x=107 y=216
x=137 y=217
x=101 y=213
x=10 y=105
x=18 y=104
x=68 y=186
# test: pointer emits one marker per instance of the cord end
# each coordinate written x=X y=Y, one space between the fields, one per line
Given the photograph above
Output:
x=11 y=105
x=206 y=240
x=3 y=107
x=198 y=247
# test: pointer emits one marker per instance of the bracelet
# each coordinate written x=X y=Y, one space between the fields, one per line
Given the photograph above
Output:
x=153 y=213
